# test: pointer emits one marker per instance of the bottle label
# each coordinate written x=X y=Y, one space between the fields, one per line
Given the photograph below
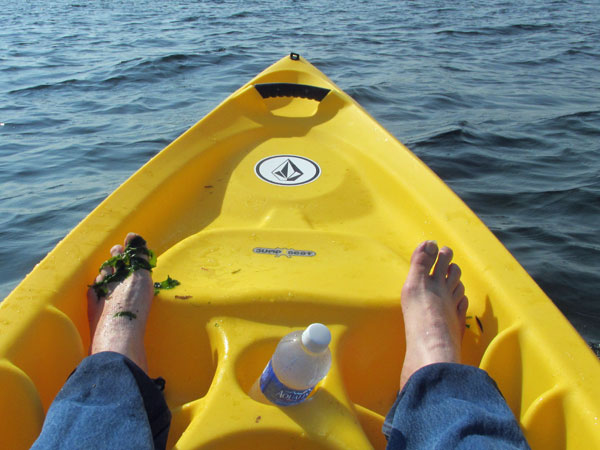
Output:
x=277 y=392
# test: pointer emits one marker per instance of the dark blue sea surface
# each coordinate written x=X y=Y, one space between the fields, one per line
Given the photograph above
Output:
x=500 y=98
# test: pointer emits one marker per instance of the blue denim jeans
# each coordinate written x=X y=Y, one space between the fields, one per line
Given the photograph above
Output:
x=107 y=402
x=452 y=406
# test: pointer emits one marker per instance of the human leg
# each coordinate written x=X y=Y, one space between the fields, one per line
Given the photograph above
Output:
x=118 y=319
x=109 y=401
x=434 y=307
x=443 y=404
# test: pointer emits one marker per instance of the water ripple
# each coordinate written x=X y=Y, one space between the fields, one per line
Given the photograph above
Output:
x=501 y=99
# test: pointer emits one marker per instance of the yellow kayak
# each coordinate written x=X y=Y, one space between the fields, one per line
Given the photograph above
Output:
x=287 y=205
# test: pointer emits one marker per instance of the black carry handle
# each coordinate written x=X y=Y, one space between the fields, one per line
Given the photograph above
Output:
x=268 y=90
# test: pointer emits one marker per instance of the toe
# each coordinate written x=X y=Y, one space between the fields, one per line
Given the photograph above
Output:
x=422 y=260
x=458 y=292
x=461 y=310
x=441 y=267
x=135 y=240
x=105 y=271
x=454 y=273
x=116 y=250
x=462 y=306
x=130 y=236
x=91 y=292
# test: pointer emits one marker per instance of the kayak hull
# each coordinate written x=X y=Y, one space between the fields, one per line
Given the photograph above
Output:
x=286 y=205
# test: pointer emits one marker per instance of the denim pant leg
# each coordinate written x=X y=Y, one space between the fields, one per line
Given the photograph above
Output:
x=108 y=402
x=448 y=406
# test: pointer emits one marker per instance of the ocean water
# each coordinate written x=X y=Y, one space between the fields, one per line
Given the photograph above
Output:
x=500 y=98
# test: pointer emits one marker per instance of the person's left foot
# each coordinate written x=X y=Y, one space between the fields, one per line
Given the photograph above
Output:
x=118 y=319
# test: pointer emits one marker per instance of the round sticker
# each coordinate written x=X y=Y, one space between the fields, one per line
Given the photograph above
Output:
x=287 y=170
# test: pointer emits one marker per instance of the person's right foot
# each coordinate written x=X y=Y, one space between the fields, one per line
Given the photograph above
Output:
x=434 y=307
x=118 y=319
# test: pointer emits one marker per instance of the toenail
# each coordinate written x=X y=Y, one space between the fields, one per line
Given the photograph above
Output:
x=431 y=248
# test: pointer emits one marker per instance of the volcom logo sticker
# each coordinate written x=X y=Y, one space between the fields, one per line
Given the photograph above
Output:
x=287 y=170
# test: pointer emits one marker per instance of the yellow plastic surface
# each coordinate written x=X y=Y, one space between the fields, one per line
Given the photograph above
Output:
x=204 y=210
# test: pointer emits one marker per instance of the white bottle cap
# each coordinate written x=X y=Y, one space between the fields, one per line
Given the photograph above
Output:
x=316 y=337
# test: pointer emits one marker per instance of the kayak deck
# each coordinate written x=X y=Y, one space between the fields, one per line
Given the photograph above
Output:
x=284 y=206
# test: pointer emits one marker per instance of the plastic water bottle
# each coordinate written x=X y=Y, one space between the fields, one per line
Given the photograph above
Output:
x=300 y=361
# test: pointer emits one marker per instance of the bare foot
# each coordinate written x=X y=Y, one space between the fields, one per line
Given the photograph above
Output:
x=118 y=319
x=434 y=307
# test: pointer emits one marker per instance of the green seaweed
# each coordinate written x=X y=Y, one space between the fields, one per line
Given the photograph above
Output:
x=169 y=283
x=126 y=314
x=125 y=264
x=478 y=321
